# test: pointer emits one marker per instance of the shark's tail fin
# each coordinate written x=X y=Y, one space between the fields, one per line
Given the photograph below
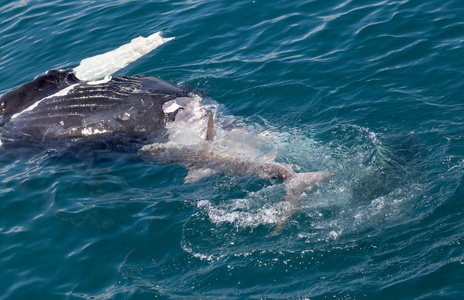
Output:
x=295 y=186
x=301 y=182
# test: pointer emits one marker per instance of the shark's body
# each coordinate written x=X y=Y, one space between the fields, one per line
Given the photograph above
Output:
x=203 y=160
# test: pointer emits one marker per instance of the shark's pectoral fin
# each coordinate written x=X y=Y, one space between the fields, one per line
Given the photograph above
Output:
x=305 y=181
x=272 y=156
x=194 y=175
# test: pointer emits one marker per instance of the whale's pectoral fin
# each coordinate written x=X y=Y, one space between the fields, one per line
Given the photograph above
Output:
x=194 y=175
x=210 y=128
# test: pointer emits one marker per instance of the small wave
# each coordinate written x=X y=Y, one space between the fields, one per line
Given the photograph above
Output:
x=372 y=187
x=244 y=213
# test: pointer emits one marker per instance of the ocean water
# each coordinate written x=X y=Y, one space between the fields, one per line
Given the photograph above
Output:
x=369 y=90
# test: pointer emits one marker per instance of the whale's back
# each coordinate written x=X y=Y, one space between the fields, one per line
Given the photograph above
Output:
x=115 y=106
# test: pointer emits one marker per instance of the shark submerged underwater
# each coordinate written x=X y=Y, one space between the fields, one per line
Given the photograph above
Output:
x=87 y=103
x=203 y=159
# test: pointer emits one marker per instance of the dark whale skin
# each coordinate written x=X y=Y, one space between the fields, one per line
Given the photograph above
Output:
x=42 y=86
x=57 y=107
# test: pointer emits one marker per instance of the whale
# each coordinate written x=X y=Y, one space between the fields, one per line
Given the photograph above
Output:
x=87 y=103
x=57 y=106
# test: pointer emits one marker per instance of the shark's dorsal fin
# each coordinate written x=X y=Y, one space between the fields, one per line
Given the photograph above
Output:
x=210 y=128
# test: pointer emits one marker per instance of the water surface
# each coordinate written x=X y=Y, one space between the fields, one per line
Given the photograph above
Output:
x=370 y=90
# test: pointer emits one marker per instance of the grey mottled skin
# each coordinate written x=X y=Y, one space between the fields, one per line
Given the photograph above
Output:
x=206 y=158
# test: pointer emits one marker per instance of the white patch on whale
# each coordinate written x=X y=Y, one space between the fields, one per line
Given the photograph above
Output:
x=60 y=93
x=189 y=121
x=104 y=80
x=91 y=131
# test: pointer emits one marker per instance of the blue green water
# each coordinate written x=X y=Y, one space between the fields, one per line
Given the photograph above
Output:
x=369 y=90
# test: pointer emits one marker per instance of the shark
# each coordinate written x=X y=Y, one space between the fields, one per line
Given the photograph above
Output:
x=204 y=159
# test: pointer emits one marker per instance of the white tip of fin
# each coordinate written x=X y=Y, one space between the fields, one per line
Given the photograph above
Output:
x=210 y=128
